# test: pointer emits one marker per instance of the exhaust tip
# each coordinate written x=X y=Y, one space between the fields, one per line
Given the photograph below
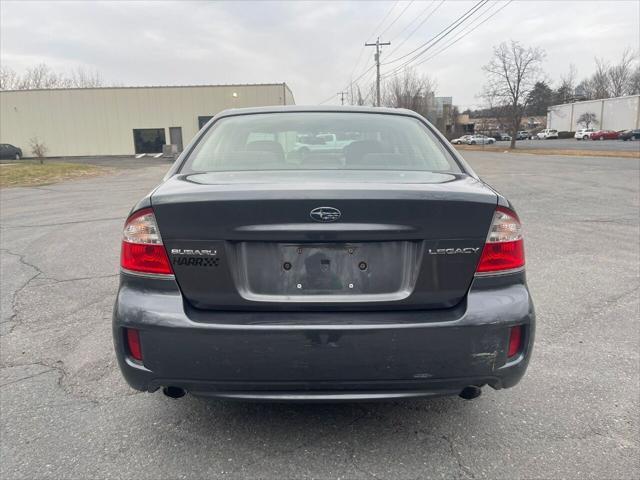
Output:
x=173 y=392
x=470 y=392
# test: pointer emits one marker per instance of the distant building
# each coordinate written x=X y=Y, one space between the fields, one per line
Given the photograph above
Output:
x=124 y=120
x=488 y=125
x=444 y=119
x=620 y=113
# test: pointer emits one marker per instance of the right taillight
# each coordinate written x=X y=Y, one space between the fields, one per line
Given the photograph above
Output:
x=142 y=248
x=503 y=249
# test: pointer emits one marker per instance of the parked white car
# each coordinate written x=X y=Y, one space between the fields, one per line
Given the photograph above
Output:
x=583 y=134
x=547 y=133
x=462 y=139
x=480 y=140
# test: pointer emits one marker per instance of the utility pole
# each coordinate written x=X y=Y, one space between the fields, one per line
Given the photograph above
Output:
x=342 y=94
x=377 y=60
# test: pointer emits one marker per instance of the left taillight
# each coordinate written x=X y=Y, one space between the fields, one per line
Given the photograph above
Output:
x=142 y=248
x=504 y=248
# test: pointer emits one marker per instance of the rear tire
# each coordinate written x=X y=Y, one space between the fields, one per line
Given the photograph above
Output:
x=472 y=142
x=17 y=156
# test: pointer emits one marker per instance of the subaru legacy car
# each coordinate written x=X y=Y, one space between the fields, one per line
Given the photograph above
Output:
x=387 y=269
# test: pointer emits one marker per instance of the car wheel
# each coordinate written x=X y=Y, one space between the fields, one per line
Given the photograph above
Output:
x=17 y=156
x=472 y=142
x=601 y=138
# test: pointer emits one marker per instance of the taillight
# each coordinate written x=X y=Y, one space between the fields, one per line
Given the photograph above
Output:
x=515 y=341
x=504 y=248
x=142 y=248
x=133 y=343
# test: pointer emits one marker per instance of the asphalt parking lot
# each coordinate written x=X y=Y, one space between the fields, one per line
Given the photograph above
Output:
x=573 y=144
x=66 y=412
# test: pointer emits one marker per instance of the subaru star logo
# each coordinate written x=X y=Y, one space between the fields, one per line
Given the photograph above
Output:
x=325 y=214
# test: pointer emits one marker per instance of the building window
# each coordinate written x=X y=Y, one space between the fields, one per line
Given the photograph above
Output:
x=148 y=140
x=202 y=121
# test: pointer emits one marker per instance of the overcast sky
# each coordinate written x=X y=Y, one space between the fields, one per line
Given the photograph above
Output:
x=315 y=47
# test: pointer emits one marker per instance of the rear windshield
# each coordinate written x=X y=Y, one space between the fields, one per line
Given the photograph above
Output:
x=319 y=141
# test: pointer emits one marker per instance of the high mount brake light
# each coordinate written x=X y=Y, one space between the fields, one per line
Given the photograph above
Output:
x=504 y=247
x=142 y=248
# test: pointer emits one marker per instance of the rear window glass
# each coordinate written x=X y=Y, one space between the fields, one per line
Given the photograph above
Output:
x=319 y=141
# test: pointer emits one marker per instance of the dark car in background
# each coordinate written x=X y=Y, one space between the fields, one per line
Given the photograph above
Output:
x=629 y=135
x=9 y=151
x=386 y=270
x=502 y=137
x=604 y=135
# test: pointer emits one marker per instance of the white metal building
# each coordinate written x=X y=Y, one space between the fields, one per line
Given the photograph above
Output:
x=619 y=113
x=122 y=120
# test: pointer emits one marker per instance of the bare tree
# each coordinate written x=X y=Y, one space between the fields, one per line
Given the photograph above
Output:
x=566 y=90
x=634 y=82
x=585 y=89
x=620 y=75
x=9 y=79
x=600 y=80
x=42 y=76
x=81 y=78
x=38 y=148
x=512 y=74
x=587 y=119
x=411 y=91
x=355 y=95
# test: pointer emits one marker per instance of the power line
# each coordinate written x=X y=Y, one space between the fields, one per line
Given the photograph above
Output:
x=351 y=81
x=355 y=65
x=414 y=19
x=396 y=19
x=460 y=37
x=397 y=47
x=383 y=19
x=444 y=31
x=432 y=42
x=346 y=86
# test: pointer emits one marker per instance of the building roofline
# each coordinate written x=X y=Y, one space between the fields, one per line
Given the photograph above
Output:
x=594 y=100
x=221 y=85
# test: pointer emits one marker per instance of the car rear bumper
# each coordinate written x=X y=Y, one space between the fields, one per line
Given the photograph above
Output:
x=323 y=356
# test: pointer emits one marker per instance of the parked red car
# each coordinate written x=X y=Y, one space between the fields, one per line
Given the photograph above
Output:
x=604 y=135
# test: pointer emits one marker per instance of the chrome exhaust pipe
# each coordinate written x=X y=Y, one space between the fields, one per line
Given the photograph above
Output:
x=173 y=392
x=470 y=392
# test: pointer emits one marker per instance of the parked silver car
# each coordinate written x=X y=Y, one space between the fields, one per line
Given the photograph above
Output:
x=480 y=140
x=462 y=139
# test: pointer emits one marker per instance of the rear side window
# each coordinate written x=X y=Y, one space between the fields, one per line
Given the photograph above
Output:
x=319 y=141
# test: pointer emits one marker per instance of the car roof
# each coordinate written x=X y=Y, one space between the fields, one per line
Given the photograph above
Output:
x=317 y=108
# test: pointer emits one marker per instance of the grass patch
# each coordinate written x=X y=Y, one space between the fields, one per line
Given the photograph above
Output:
x=553 y=151
x=26 y=174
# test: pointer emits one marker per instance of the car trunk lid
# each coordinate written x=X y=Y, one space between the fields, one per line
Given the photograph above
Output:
x=247 y=240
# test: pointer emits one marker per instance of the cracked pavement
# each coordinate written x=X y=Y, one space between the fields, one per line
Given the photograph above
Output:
x=65 y=411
